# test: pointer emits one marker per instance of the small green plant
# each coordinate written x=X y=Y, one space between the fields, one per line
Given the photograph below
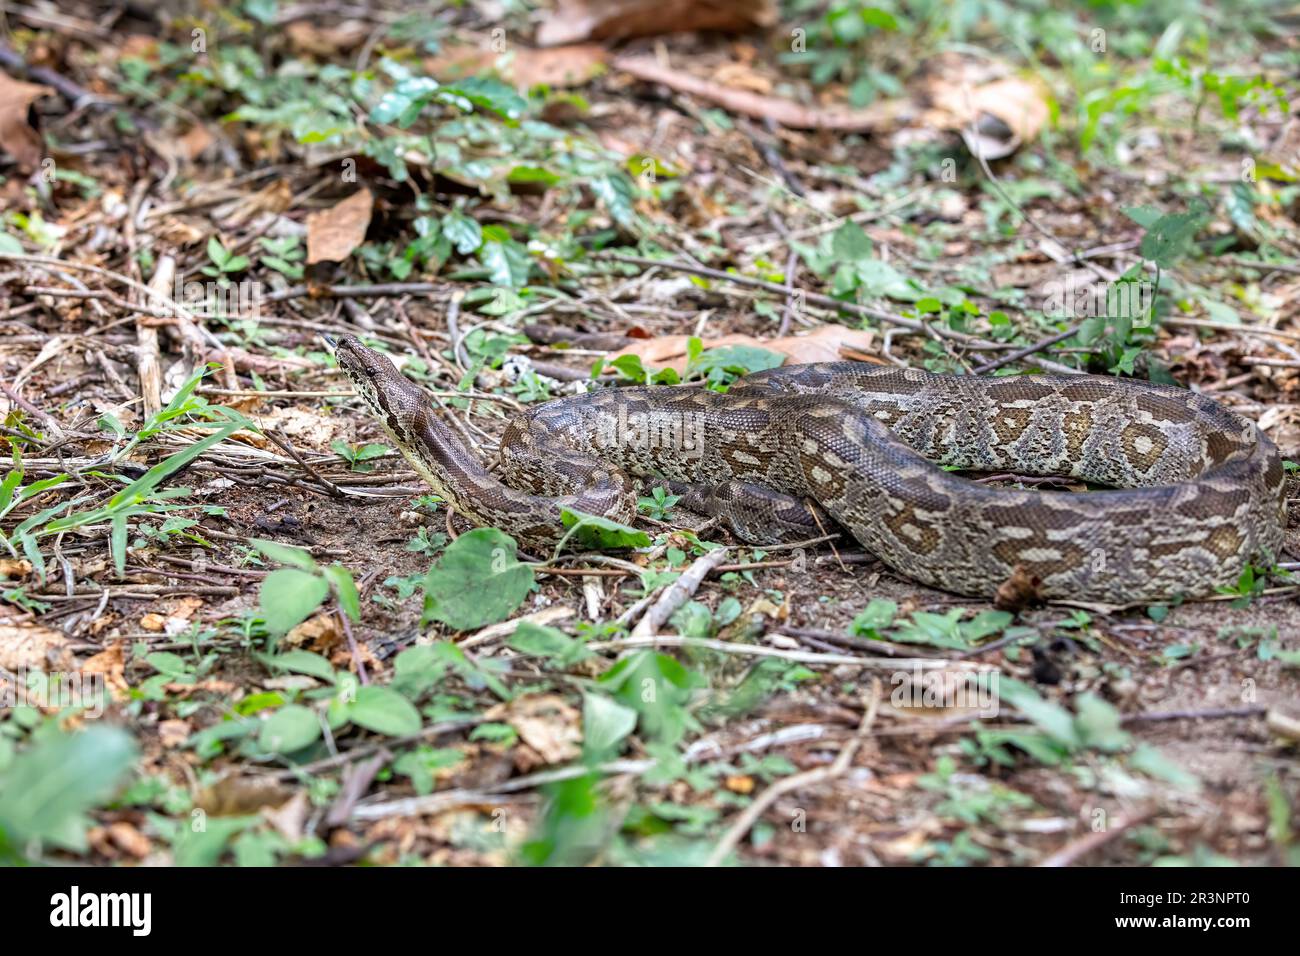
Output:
x=359 y=458
x=224 y=263
x=289 y=595
x=658 y=503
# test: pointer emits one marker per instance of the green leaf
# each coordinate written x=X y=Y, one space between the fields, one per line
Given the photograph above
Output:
x=478 y=580
x=345 y=589
x=423 y=763
x=850 y=244
x=288 y=596
x=1098 y=723
x=617 y=193
x=605 y=724
x=1052 y=719
x=874 y=618
x=285 y=554
x=601 y=533
x=658 y=688
x=384 y=711
x=462 y=232
x=302 y=662
x=508 y=262
x=290 y=728
x=47 y=789
x=539 y=641
x=1168 y=238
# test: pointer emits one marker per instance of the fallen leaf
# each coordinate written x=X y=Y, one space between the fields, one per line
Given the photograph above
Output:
x=18 y=137
x=128 y=839
x=173 y=733
x=15 y=569
x=332 y=234
x=560 y=67
x=111 y=663
x=546 y=723
x=307 y=37
x=823 y=345
x=291 y=818
x=26 y=645
x=236 y=796
x=575 y=20
x=319 y=634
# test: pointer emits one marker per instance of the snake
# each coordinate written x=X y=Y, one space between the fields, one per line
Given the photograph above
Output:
x=1182 y=495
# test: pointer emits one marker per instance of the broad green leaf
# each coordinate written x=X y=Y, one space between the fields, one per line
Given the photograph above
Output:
x=478 y=580
x=384 y=711
x=285 y=554
x=302 y=662
x=605 y=723
x=47 y=788
x=290 y=728
x=345 y=589
x=601 y=533
x=288 y=596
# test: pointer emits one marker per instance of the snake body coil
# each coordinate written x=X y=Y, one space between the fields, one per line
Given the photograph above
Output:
x=1197 y=491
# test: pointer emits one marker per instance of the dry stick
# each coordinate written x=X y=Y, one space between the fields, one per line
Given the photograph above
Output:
x=50 y=421
x=827 y=301
x=678 y=593
x=149 y=357
x=1028 y=350
x=355 y=784
x=1072 y=852
x=800 y=657
x=736 y=832
x=287 y=447
x=1263 y=266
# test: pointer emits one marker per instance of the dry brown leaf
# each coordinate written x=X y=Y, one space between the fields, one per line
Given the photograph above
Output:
x=558 y=67
x=826 y=344
x=1005 y=112
x=18 y=138
x=236 y=796
x=291 y=818
x=575 y=20
x=333 y=233
x=15 y=569
x=112 y=664
x=128 y=839
x=307 y=37
x=320 y=634
x=546 y=723
x=33 y=646
x=173 y=733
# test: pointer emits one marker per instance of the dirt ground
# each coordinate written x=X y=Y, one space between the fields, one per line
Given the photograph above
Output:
x=1120 y=735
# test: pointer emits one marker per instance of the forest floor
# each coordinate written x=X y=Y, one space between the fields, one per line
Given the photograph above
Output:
x=255 y=636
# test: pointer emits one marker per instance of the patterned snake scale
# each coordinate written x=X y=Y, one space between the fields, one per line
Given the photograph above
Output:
x=1196 y=492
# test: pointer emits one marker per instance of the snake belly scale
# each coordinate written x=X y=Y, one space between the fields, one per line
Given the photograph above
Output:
x=1196 y=492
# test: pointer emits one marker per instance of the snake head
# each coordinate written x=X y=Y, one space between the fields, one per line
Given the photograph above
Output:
x=362 y=365
x=391 y=396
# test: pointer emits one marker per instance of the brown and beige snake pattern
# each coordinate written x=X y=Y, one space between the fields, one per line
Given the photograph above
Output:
x=1198 y=491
